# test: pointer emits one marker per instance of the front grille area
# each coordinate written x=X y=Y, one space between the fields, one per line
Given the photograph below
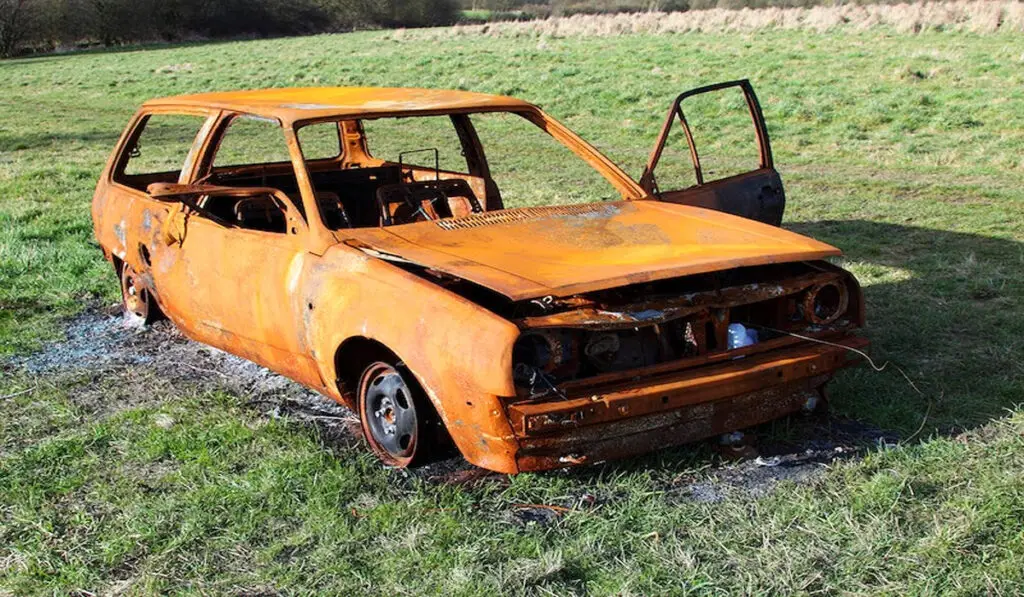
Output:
x=602 y=336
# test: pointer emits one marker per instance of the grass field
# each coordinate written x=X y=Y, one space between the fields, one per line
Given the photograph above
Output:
x=907 y=151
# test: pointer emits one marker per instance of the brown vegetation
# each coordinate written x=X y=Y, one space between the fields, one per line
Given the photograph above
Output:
x=45 y=25
x=979 y=16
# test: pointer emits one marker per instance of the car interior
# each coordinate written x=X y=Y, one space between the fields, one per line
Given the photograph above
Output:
x=348 y=195
x=351 y=198
x=261 y=211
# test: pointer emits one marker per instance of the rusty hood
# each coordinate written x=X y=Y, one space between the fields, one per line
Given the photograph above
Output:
x=563 y=250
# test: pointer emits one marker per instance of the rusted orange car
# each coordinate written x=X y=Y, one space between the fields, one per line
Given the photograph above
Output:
x=460 y=268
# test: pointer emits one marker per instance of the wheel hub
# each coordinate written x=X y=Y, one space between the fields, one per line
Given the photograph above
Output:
x=386 y=414
x=389 y=414
x=133 y=295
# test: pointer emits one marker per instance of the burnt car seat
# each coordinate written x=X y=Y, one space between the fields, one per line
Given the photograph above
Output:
x=260 y=213
x=404 y=203
x=332 y=210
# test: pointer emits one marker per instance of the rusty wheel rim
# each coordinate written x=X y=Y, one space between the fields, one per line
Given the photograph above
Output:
x=388 y=414
x=134 y=294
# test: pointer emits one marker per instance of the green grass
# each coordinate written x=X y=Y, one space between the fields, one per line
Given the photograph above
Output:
x=905 y=151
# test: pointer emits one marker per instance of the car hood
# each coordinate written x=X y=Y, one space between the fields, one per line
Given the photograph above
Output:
x=564 y=250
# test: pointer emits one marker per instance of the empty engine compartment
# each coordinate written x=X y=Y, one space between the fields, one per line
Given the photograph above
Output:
x=678 y=320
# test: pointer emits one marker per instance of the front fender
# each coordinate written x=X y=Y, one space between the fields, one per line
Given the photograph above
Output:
x=460 y=352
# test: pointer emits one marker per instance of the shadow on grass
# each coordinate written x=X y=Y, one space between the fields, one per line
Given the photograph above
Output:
x=946 y=307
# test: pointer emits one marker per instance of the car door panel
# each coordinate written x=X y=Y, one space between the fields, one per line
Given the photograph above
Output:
x=233 y=288
x=111 y=214
x=757 y=195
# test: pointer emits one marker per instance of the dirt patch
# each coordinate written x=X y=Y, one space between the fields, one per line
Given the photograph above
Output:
x=104 y=343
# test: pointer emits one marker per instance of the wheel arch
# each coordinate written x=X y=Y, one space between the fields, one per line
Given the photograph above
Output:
x=458 y=352
x=351 y=357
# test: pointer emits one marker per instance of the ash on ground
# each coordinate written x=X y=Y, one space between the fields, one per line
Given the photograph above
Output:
x=107 y=342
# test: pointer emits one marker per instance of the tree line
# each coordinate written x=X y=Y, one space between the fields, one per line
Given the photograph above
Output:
x=44 y=25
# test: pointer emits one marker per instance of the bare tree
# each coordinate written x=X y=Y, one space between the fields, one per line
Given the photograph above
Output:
x=14 y=23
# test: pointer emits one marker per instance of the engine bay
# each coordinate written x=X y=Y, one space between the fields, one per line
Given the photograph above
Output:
x=678 y=321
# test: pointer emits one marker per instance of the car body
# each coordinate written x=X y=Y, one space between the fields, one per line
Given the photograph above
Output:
x=531 y=337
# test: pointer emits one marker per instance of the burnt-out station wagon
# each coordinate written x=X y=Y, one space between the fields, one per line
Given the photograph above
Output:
x=460 y=268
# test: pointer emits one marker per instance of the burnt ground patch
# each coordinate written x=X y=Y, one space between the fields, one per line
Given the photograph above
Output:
x=138 y=364
x=108 y=345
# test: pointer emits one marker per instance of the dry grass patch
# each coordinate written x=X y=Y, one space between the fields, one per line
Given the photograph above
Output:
x=972 y=16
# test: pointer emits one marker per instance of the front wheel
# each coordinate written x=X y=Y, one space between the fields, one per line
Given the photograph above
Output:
x=394 y=415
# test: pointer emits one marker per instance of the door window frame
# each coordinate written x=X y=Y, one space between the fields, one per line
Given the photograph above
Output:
x=299 y=223
x=765 y=161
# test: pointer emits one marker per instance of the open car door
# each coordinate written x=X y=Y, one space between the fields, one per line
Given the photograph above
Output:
x=732 y=169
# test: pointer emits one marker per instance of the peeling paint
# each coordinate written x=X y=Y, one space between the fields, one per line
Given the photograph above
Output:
x=121 y=234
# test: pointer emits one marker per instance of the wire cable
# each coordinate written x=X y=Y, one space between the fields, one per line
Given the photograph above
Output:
x=849 y=348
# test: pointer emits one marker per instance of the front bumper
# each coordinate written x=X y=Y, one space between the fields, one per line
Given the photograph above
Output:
x=638 y=416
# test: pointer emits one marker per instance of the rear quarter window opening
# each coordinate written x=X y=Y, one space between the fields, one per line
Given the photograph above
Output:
x=158 y=149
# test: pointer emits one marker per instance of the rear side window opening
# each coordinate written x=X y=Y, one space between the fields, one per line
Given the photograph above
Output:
x=159 y=150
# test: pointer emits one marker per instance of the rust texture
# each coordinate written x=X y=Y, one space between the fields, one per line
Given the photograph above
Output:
x=533 y=338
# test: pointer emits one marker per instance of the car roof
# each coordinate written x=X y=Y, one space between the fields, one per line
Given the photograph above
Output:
x=309 y=103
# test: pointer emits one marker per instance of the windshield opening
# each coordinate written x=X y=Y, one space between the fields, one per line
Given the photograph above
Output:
x=402 y=170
